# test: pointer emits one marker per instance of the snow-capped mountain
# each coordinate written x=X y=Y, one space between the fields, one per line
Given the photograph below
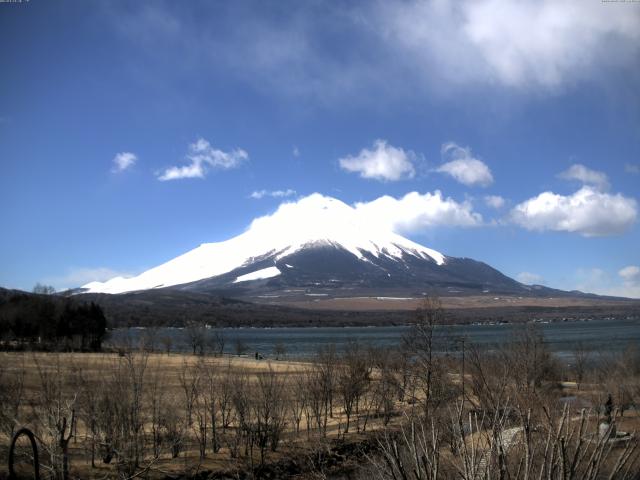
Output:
x=316 y=242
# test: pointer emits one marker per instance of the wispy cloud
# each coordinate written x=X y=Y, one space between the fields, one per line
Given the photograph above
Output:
x=600 y=281
x=494 y=201
x=632 y=168
x=258 y=194
x=122 y=161
x=76 y=277
x=295 y=152
x=463 y=167
x=586 y=176
x=529 y=278
x=630 y=273
x=383 y=162
x=528 y=44
x=538 y=45
x=588 y=211
x=202 y=157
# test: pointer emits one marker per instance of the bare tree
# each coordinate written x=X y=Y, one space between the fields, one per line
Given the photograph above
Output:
x=167 y=343
x=11 y=396
x=566 y=447
x=150 y=338
x=326 y=360
x=215 y=342
x=581 y=357
x=88 y=405
x=121 y=413
x=189 y=378
x=317 y=388
x=196 y=337
x=201 y=408
x=41 y=289
x=240 y=347
x=297 y=399
x=268 y=407
x=54 y=414
x=212 y=402
x=353 y=376
x=156 y=407
x=240 y=398
x=388 y=386
x=224 y=396
x=421 y=343
x=279 y=350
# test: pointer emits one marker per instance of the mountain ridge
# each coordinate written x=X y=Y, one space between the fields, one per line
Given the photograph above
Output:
x=313 y=222
x=321 y=247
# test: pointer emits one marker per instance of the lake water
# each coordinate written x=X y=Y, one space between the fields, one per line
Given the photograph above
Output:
x=561 y=337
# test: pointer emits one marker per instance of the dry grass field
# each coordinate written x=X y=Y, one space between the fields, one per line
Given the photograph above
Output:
x=452 y=302
x=175 y=382
x=355 y=414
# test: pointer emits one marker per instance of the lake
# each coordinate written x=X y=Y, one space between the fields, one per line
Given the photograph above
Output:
x=300 y=342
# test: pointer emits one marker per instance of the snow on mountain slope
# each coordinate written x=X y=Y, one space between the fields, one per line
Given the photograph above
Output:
x=313 y=220
x=269 y=272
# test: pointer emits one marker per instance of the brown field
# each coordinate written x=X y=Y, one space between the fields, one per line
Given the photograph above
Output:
x=155 y=413
x=167 y=371
x=475 y=301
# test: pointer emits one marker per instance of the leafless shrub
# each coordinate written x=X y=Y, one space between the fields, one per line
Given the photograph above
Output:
x=11 y=397
x=352 y=378
x=53 y=415
x=268 y=405
x=298 y=400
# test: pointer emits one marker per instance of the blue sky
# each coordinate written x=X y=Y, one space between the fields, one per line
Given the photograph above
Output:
x=131 y=132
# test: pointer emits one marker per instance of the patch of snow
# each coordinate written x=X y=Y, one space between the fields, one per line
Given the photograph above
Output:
x=258 y=275
x=394 y=298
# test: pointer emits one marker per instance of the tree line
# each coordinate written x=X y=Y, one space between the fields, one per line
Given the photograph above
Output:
x=45 y=322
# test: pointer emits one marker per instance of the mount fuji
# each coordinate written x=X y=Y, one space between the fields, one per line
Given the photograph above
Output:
x=316 y=246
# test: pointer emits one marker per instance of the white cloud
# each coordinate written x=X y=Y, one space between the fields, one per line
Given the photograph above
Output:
x=75 y=277
x=392 y=48
x=586 y=176
x=462 y=166
x=599 y=281
x=295 y=151
x=529 y=278
x=258 y=194
x=495 y=201
x=122 y=161
x=411 y=213
x=416 y=212
x=384 y=162
x=630 y=274
x=525 y=44
x=588 y=212
x=203 y=157
x=632 y=168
